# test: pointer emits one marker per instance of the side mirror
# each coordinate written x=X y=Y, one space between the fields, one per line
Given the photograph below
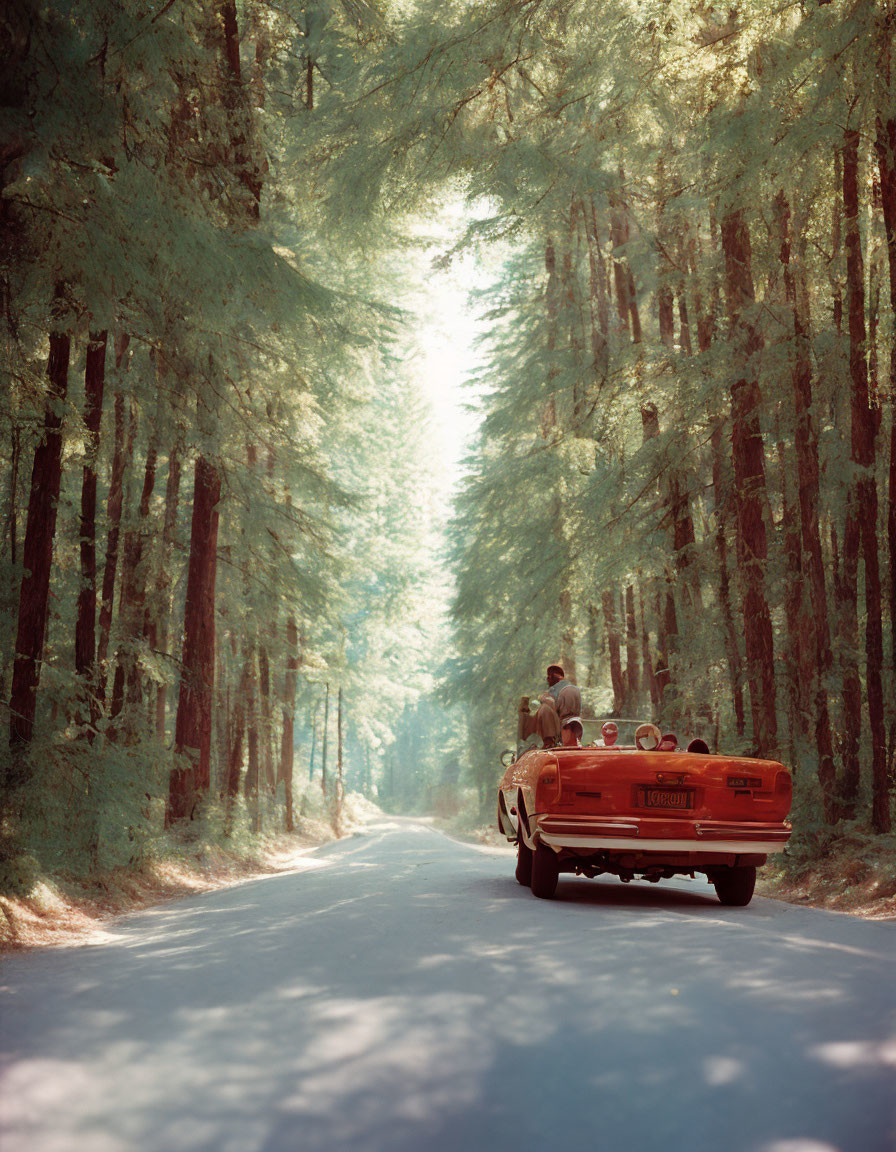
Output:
x=507 y=757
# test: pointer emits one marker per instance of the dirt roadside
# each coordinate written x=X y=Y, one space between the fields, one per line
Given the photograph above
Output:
x=64 y=911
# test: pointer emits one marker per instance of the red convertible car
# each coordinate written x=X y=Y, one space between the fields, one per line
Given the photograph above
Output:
x=643 y=809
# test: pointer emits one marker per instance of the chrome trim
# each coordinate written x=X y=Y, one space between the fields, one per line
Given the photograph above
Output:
x=765 y=848
x=606 y=827
x=720 y=830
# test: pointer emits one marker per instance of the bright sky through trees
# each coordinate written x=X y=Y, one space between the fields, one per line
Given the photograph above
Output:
x=448 y=324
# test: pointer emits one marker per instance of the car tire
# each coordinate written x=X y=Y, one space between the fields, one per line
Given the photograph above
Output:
x=523 y=863
x=545 y=872
x=734 y=886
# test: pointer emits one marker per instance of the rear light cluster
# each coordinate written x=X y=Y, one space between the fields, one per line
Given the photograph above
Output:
x=783 y=783
x=547 y=789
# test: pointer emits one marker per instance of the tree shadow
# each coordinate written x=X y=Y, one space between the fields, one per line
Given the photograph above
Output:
x=427 y=1001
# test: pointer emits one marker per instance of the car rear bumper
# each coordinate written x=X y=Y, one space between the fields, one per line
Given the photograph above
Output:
x=626 y=834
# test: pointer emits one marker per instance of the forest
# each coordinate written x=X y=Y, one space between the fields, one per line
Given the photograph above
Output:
x=235 y=582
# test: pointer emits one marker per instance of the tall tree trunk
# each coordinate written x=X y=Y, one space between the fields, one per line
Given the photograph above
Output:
x=684 y=542
x=799 y=669
x=600 y=323
x=340 y=779
x=264 y=691
x=121 y=457
x=85 y=624
x=40 y=534
x=632 y=668
x=732 y=644
x=616 y=677
x=864 y=433
x=323 y=748
x=749 y=479
x=238 y=731
x=646 y=656
x=845 y=584
x=158 y=628
x=132 y=602
x=809 y=489
x=626 y=294
x=886 y=156
x=193 y=728
x=287 y=751
x=314 y=727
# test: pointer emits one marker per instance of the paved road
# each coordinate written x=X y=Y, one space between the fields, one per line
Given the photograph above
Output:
x=403 y=993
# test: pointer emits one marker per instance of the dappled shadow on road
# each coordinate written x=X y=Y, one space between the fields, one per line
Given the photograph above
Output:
x=609 y=893
x=408 y=994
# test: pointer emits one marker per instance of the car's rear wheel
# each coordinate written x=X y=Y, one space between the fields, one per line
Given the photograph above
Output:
x=734 y=886
x=545 y=872
x=523 y=863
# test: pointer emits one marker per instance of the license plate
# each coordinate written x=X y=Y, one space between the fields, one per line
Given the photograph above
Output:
x=666 y=798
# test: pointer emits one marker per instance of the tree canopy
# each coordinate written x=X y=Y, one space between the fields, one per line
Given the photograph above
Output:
x=225 y=560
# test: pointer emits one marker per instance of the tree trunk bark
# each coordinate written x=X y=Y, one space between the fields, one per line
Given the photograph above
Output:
x=121 y=457
x=40 y=534
x=732 y=643
x=632 y=668
x=616 y=677
x=161 y=610
x=646 y=657
x=626 y=295
x=193 y=728
x=132 y=602
x=749 y=479
x=287 y=750
x=848 y=636
x=323 y=748
x=264 y=685
x=340 y=779
x=886 y=155
x=809 y=495
x=238 y=731
x=600 y=316
x=85 y=625
x=864 y=433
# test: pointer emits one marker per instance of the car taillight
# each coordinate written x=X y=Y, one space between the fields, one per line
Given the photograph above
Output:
x=783 y=784
x=547 y=790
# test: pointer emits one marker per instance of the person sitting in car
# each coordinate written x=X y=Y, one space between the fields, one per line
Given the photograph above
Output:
x=547 y=720
x=571 y=732
x=567 y=696
x=561 y=700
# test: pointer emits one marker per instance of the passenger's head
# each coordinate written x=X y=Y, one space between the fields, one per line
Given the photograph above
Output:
x=647 y=737
x=571 y=732
x=555 y=674
x=610 y=733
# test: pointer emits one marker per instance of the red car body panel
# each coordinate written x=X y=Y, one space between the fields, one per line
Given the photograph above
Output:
x=642 y=811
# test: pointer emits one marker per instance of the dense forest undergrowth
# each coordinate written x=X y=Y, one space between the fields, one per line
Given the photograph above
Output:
x=231 y=565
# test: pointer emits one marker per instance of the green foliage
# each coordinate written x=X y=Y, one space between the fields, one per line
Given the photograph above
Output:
x=249 y=239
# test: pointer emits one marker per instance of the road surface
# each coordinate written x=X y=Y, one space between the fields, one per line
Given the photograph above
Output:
x=401 y=992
